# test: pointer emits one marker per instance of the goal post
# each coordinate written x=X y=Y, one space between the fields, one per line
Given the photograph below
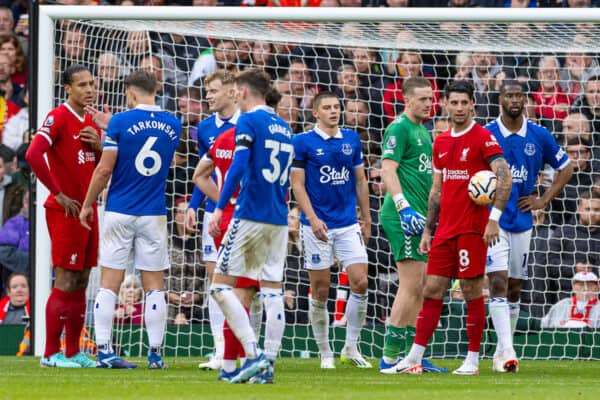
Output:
x=440 y=39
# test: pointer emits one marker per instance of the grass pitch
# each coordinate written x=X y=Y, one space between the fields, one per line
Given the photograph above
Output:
x=298 y=379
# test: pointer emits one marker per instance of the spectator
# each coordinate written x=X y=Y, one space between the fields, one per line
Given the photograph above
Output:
x=579 y=67
x=11 y=46
x=183 y=50
x=17 y=127
x=588 y=104
x=287 y=109
x=552 y=103
x=347 y=85
x=15 y=307
x=302 y=88
x=356 y=117
x=584 y=172
x=221 y=56
x=165 y=96
x=296 y=277
x=263 y=56
x=185 y=279
x=378 y=250
x=8 y=107
x=14 y=243
x=576 y=242
x=463 y=65
x=440 y=125
x=410 y=64
x=7 y=22
x=179 y=181
x=131 y=309
x=486 y=76
x=579 y=311
x=576 y=126
x=191 y=110
x=109 y=74
x=519 y=65
x=74 y=47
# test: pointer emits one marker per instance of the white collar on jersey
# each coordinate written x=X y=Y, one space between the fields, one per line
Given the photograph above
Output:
x=80 y=118
x=147 y=107
x=457 y=134
x=326 y=136
x=263 y=107
x=219 y=122
x=506 y=133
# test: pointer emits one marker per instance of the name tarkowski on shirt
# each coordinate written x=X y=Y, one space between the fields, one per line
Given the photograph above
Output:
x=153 y=124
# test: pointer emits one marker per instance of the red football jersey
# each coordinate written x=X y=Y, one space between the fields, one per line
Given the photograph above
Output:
x=458 y=156
x=71 y=161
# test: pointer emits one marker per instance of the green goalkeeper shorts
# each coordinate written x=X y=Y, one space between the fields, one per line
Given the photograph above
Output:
x=404 y=247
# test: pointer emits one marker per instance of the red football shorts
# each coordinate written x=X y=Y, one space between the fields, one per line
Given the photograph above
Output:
x=458 y=257
x=73 y=246
x=243 y=282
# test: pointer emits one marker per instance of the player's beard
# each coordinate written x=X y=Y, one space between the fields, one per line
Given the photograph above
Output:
x=513 y=113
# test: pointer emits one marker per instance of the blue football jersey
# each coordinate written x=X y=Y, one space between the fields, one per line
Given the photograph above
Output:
x=264 y=185
x=329 y=167
x=526 y=152
x=145 y=138
x=208 y=131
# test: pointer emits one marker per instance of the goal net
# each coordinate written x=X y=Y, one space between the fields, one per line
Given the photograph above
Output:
x=364 y=60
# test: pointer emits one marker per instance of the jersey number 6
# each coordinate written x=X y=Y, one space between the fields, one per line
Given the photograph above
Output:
x=145 y=153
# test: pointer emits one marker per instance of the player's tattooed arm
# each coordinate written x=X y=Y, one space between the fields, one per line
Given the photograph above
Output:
x=504 y=184
x=433 y=204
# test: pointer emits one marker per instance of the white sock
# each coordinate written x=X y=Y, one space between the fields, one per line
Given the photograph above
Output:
x=236 y=316
x=356 y=311
x=319 y=320
x=273 y=301
x=473 y=358
x=501 y=318
x=229 y=365
x=514 y=308
x=155 y=317
x=416 y=353
x=256 y=314
x=216 y=318
x=104 y=311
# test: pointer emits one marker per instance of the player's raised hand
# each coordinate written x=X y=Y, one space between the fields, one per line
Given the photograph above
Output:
x=86 y=216
x=531 y=202
x=71 y=206
x=492 y=233
x=190 y=220
x=319 y=229
x=90 y=136
x=425 y=244
x=215 y=223
x=100 y=118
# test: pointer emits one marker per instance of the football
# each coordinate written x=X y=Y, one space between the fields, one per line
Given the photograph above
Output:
x=482 y=188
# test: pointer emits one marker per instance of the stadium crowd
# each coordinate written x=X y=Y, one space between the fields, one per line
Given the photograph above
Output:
x=563 y=95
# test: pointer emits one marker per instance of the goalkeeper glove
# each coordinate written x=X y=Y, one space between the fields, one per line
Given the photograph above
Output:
x=412 y=222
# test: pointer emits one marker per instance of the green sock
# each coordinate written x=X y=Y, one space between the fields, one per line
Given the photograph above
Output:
x=410 y=338
x=394 y=342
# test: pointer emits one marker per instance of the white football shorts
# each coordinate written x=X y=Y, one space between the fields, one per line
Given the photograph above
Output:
x=209 y=250
x=510 y=253
x=145 y=236
x=253 y=250
x=345 y=244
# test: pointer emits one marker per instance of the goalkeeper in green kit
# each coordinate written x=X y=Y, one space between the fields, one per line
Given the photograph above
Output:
x=407 y=173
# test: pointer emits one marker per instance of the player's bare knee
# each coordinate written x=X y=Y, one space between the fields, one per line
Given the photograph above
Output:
x=321 y=293
x=433 y=291
x=498 y=285
x=360 y=285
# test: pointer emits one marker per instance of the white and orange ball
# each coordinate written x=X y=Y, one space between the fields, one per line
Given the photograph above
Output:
x=482 y=187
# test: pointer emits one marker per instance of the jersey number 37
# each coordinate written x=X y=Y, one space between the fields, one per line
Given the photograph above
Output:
x=276 y=173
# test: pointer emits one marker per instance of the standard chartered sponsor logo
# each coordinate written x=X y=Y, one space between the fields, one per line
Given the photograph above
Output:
x=424 y=163
x=455 y=174
x=331 y=175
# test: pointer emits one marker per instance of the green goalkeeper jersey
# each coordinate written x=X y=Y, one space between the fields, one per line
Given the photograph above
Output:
x=408 y=144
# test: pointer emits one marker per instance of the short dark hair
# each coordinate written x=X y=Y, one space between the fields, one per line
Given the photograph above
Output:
x=410 y=84
x=72 y=70
x=325 y=94
x=193 y=92
x=592 y=78
x=6 y=153
x=273 y=97
x=576 y=141
x=255 y=79
x=460 y=86
x=511 y=83
x=143 y=80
